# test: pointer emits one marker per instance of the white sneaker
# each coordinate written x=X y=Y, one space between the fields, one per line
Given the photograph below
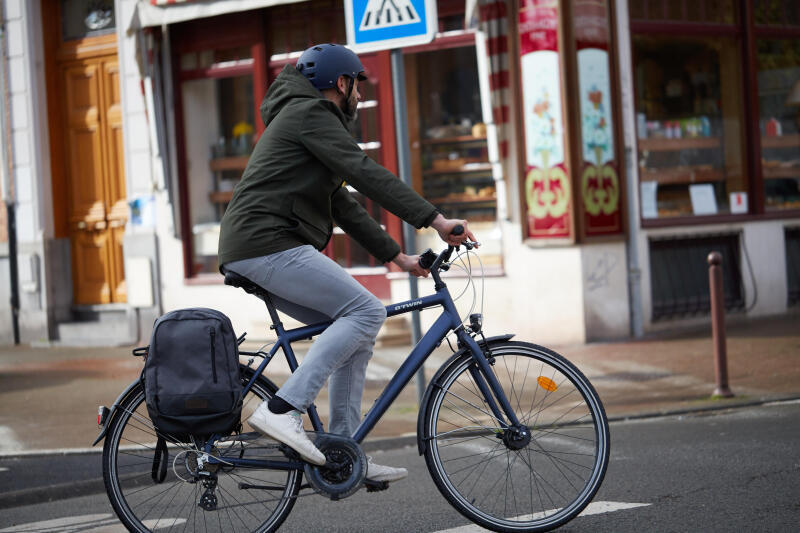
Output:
x=288 y=429
x=384 y=473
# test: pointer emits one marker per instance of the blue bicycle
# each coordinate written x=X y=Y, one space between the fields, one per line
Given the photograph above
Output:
x=514 y=436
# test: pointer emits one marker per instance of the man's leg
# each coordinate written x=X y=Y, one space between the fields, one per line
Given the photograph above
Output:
x=310 y=287
x=345 y=391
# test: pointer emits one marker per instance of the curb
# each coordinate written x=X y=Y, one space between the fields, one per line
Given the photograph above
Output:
x=705 y=408
x=60 y=491
x=64 y=491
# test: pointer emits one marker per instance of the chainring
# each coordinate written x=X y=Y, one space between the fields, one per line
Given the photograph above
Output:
x=345 y=470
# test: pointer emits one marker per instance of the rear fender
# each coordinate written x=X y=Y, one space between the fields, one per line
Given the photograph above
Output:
x=435 y=383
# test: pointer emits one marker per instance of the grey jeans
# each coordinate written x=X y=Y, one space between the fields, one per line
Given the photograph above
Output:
x=310 y=287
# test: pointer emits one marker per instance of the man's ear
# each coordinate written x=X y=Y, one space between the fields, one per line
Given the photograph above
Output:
x=342 y=84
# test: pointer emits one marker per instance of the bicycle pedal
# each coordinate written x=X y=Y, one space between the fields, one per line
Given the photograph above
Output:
x=376 y=486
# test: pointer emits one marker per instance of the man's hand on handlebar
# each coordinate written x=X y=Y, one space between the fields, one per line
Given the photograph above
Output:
x=410 y=264
x=445 y=227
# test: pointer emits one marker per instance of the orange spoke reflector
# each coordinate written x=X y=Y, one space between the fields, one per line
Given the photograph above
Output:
x=546 y=383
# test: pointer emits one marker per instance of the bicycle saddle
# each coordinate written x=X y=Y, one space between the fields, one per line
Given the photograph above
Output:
x=235 y=280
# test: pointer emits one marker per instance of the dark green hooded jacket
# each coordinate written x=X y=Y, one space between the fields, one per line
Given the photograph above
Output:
x=293 y=187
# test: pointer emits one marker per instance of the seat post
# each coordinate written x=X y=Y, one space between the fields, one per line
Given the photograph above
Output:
x=273 y=313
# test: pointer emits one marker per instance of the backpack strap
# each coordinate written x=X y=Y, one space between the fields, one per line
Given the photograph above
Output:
x=160 y=460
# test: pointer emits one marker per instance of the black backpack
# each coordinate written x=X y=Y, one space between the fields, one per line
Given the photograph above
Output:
x=191 y=374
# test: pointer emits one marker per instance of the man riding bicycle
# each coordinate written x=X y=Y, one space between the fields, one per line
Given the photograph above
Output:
x=281 y=215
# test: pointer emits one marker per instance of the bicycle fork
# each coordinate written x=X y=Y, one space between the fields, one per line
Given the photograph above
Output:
x=515 y=434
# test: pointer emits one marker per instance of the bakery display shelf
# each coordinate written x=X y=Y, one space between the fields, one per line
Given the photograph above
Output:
x=238 y=162
x=463 y=199
x=783 y=141
x=781 y=172
x=452 y=140
x=669 y=145
x=469 y=168
x=681 y=175
x=220 y=197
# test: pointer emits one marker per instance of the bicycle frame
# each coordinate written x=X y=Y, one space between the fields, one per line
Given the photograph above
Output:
x=449 y=320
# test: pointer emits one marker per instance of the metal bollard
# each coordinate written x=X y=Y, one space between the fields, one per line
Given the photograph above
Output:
x=718 y=324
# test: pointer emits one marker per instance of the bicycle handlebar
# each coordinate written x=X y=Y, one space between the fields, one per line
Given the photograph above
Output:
x=429 y=260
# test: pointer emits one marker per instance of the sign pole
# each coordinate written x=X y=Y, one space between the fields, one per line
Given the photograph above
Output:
x=373 y=25
x=404 y=167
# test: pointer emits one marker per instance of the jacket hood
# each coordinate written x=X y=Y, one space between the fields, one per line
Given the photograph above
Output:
x=290 y=86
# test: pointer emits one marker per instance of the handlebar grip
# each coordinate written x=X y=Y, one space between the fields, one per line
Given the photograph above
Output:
x=458 y=230
x=427 y=258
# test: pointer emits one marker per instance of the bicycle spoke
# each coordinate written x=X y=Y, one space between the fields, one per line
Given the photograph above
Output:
x=129 y=454
x=496 y=485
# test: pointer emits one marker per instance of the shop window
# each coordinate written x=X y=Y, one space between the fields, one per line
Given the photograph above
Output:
x=86 y=18
x=679 y=274
x=779 y=125
x=450 y=163
x=792 y=236
x=690 y=126
x=218 y=127
x=705 y=11
x=777 y=12
x=204 y=60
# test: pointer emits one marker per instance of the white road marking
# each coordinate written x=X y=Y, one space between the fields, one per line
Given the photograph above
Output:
x=67 y=524
x=592 y=508
x=3 y=469
x=91 y=523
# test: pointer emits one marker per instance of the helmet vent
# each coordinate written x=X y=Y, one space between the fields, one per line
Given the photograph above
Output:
x=310 y=64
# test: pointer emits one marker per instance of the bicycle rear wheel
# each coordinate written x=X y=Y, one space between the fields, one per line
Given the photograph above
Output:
x=539 y=486
x=148 y=497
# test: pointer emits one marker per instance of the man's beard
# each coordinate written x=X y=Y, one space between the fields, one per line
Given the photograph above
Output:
x=350 y=110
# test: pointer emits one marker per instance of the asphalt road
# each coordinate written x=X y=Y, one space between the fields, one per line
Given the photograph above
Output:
x=714 y=471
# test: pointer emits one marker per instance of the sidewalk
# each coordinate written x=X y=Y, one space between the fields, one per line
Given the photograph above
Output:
x=49 y=396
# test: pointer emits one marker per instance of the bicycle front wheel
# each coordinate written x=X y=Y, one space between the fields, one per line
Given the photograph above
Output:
x=501 y=484
x=154 y=488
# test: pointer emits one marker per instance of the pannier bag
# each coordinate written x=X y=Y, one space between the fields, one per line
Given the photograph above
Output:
x=191 y=374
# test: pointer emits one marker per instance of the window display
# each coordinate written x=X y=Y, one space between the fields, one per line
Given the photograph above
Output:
x=86 y=18
x=450 y=157
x=779 y=124
x=689 y=122
x=219 y=132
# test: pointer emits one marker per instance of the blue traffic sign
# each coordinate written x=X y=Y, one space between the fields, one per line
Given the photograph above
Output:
x=384 y=24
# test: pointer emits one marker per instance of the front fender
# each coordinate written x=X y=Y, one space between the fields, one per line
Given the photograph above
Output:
x=423 y=409
x=114 y=409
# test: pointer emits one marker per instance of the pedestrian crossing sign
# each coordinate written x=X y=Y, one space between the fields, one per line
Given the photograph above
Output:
x=383 y=24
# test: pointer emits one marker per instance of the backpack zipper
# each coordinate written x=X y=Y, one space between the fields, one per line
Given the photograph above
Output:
x=213 y=355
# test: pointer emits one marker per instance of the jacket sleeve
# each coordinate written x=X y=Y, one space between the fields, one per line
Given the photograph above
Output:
x=324 y=135
x=356 y=222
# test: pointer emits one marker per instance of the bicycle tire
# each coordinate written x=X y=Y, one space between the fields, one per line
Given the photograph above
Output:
x=539 y=487
x=143 y=503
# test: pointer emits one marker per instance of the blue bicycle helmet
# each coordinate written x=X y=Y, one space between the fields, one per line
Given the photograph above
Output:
x=322 y=64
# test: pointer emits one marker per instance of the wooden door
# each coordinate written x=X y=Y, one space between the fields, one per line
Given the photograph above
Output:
x=95 y=176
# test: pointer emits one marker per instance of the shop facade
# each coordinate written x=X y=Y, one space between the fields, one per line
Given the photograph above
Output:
x=599 y=148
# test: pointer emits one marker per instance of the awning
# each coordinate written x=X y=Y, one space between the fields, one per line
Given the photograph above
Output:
x=160 y=12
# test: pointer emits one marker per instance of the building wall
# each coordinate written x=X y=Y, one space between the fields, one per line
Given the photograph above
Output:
x=763 y=262
x=553 y=295
x=30 y=169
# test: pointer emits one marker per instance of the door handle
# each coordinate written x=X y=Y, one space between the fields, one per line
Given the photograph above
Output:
x=118 y=223
x=100 y=224
x=81 y=225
